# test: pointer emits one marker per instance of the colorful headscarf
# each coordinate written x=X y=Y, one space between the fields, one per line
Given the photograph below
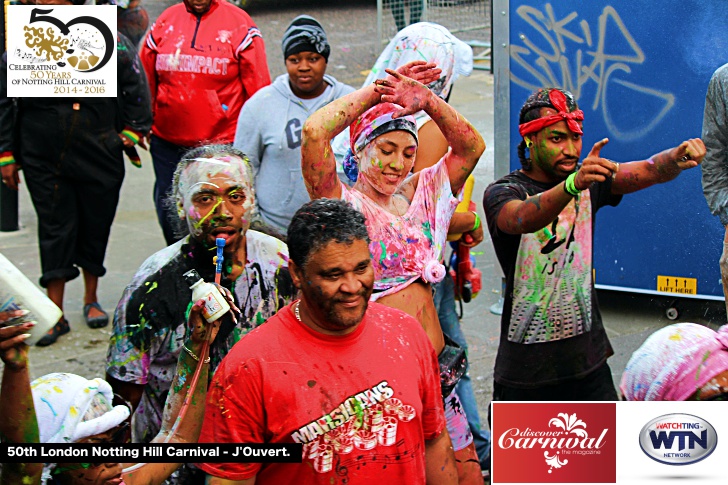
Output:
x=558 y=100
x=374 y=122
x=674 y=362
x=422 y=41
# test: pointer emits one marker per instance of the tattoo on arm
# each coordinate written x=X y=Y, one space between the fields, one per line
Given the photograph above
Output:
x=535 y=200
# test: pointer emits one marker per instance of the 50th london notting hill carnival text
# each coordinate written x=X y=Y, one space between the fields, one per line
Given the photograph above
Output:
x=152 y=452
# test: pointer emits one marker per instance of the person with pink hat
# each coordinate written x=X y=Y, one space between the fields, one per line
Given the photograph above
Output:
x=680 y=362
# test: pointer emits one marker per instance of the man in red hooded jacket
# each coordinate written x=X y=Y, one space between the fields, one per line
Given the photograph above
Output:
x=204 y=59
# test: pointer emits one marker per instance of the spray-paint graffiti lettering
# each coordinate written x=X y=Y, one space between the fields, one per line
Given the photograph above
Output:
x=563 y=52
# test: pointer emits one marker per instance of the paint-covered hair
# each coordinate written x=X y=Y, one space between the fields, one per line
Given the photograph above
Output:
x=175 y=197
x=531 y=110
x=320 y=221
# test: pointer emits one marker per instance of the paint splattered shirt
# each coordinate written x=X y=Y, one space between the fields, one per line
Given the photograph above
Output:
x=361 y=404
x=150 y=320
x=406 y=248
x=551 y=328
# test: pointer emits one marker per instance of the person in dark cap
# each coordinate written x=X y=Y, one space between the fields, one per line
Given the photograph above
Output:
x=269 y=126
x=71 y=153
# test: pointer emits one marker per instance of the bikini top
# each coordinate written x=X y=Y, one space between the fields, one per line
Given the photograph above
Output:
x=408 y=247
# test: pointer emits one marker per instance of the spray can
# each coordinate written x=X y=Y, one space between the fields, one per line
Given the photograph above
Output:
x=17 y=292
x=215 y=304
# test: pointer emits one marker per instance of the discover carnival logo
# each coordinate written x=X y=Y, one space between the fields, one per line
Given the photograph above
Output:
x=678 y=439
x=563 y=443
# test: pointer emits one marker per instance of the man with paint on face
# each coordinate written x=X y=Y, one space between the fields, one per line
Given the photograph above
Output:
x=214 y=197
x=355 y=382
x=553 y=345
x=204 y=59
x=272 y=141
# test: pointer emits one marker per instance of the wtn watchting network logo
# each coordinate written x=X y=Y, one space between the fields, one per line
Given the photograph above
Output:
x=678 y=439
x=561 y=442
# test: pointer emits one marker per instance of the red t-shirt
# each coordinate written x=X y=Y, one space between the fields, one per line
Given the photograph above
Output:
x=362 y=404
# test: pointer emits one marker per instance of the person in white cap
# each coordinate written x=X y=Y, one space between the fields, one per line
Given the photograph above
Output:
x=68 y=408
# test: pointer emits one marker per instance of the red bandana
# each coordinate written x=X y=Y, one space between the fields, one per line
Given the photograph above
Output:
x=559 y=101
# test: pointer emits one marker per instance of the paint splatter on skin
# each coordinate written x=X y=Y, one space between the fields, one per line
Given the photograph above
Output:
x=535 y=200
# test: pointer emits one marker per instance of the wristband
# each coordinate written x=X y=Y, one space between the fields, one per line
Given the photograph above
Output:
x=570 y=186
x=477 y=221
x=192 y=354
x=131 y=135
x=6 y=159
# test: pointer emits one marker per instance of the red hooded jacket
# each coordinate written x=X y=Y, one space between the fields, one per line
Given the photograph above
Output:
x=201 y=70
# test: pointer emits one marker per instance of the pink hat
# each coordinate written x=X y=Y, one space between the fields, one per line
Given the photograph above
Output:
x=675 y=362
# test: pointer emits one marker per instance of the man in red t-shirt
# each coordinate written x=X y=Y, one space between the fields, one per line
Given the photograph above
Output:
x=356 y=383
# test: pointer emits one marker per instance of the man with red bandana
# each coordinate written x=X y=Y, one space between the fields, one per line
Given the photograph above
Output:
x=204 y=59
x=553 y=345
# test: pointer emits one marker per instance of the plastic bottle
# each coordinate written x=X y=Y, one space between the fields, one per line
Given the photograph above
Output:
x=17 y=292
x=215 y=304
x=464 y=205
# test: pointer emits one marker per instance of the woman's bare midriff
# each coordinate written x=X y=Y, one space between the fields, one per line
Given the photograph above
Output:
x=416 y=300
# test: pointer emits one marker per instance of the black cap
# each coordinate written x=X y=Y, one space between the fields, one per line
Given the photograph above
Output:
x=305 y=34
x=192 y=277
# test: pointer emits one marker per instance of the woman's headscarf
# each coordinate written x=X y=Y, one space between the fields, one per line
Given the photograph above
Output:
x=422 y=41
x=374 y=122
x=675 y=362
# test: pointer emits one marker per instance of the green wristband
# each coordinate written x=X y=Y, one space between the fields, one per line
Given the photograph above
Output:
x=131 y=135
x=570 y=186
x=477 y=221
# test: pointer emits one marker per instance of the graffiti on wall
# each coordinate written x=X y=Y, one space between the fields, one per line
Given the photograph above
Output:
x=567 y=51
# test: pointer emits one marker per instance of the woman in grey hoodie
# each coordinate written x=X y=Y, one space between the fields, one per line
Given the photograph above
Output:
x=269 y=126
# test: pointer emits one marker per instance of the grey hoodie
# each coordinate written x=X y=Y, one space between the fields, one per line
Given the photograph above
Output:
x=269 y=133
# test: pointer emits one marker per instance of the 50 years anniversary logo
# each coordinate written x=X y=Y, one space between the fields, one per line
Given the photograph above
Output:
x=65 y=50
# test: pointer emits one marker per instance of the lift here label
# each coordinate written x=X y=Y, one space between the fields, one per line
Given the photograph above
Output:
x=677 y=284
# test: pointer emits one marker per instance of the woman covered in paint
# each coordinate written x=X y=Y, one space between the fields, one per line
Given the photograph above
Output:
x=434 y=43
x=421 y=41
x=407 y=215
x=680 y=362
x=67 y=408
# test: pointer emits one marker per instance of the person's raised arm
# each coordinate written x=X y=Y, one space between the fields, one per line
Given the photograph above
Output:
x=318 y=163
x=182 y=423
x=19 y=424
x=466 y=144
x=659 y=168
x=538 y=211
